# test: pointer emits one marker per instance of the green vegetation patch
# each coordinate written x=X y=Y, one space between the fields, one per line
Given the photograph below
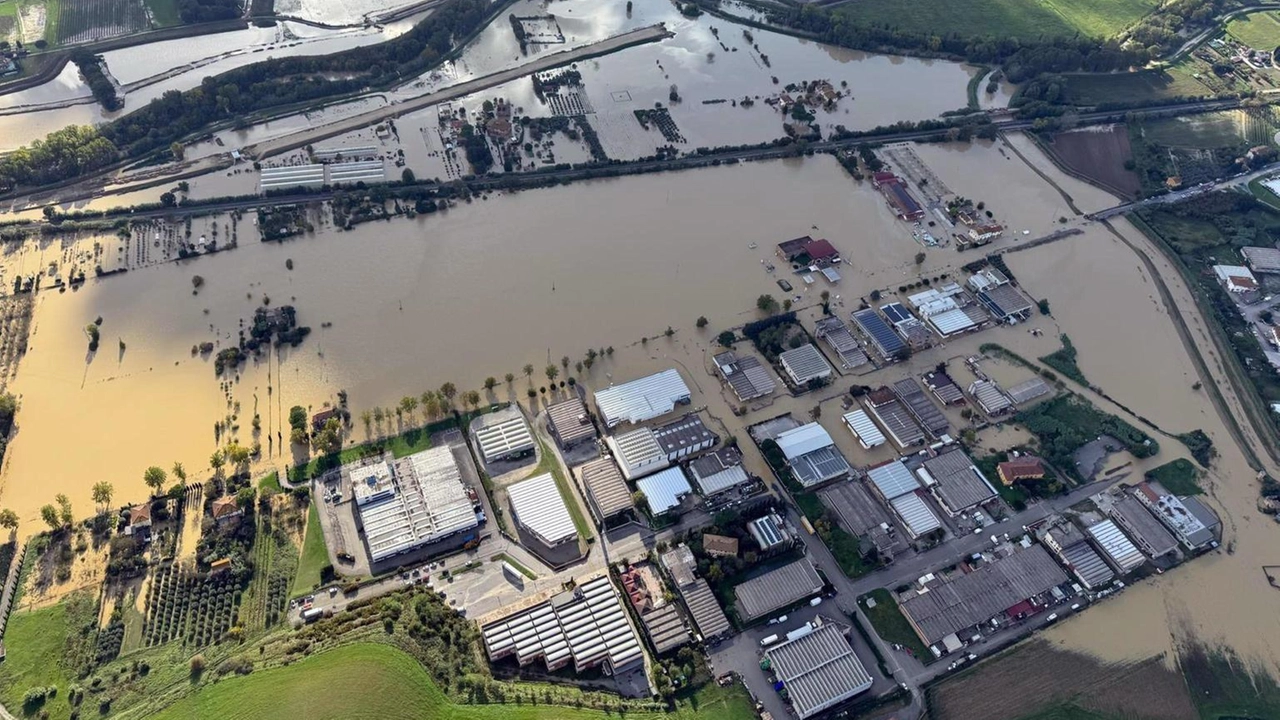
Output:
x=1068 y=422
x=891 y=625
x=314 y=556
x=1260 y=30
x=164 y=12
x=845 y=547
x=270 y=481
x=1064 y=361
x=1226 y=687
x=1023 y=19
x=1179 y=477
x=46 y=650
x=1098 y=89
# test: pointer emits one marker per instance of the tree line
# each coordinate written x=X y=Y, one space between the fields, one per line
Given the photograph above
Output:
x=233 y=95
x=90 y=66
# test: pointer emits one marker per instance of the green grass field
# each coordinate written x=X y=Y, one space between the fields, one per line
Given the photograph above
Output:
x=1093 y=89
x=377 y=682
x=891 y=625
x=270 y=481
x=1260 y=30
x=35 y=642
x=1180 y=477
x=1026 y=19
x=164 y=12
x=314 y=555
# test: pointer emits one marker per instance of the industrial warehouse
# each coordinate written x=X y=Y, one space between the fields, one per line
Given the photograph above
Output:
x=411 y=503
x=643 y=399
x=817 y=667
x=540 y=510
x=586 y=626
x=777 y=589
x=502 y=435
x=812 y=455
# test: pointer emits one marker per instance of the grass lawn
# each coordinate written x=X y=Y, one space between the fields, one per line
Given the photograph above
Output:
x=891 y=625
x=1260 y=30
x=370 y=681
x=52 y=16
x=551 y=465
x=1064 y=361
x=1132 y=87
x=35 y=642
x=1180 y=477
x=844 y=547
x=314 y=555
x=165 y=12
x=503 y=557
x=1028 y=19
x=270 y=482
x=410 y=442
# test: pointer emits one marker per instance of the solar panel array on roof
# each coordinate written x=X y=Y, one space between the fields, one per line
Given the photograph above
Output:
x=804 y=364
x=816 y=467
x=915 y=514
x=976 y=597
x=892 y=479
x=587 y=626
x=819 y=670
x=608 y=491
x=1123 y=553
x=886 y=341
x=924 y=411
x=538 y=507
x=665 y=490
x=643 y=399
x=860 y=425
x=777 y=589
x=569 y=422
x=896 y=313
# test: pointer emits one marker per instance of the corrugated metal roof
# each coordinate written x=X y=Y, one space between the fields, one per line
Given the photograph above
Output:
x=915 y=514
x=684 y=436
x=679 y=561
x=819 y=670
x=502 y=433
x=921 y=407
x=638 y=453
x=960 y=485
x=606 y=487
x=975 y=597
x=665 y=628
x=832 y=330
x=776 y=589
x=895 y=419
x=1088 y=565
x=642 y=399
x=538 y=507
x=718 y=471
x=1143 y=526
x=748 y=378
x=950 y=322
x=705 y=609
x=864 y=429
x=805 y=363
x=664 y=490
x=989 y=397
x=1117 y=547
x=804 y=439
x=1028 y=390
x=429 y=504
x=569 y=421
x=892 y=479
x=819 y=466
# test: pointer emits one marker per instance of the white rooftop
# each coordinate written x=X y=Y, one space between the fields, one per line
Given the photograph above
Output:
x=665 y=489
x=643 y=399
x=893 y=479
x=540 y=509
x=864 y=429
x=803 y=440
x=429 y=503
x=504 y=434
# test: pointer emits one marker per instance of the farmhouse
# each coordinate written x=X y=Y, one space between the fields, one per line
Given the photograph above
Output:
x=570 y=424
x=1235 y=278
x=818 y=668
x=1026 y=467
x=225 y=510
x=807 y=251
x=804 y=365
x=643 y=399
x=719 y=545
x=540 y=510
x=983 y=234
x=748 y=378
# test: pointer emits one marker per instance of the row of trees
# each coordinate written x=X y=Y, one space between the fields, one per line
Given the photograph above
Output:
x=90 y=66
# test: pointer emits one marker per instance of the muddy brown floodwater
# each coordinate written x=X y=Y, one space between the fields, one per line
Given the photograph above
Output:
x=484 y=288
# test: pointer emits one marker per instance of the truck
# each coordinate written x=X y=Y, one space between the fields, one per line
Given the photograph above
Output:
x=512 y=573
x=769 y=640
x=815 y=602
x=312 y=614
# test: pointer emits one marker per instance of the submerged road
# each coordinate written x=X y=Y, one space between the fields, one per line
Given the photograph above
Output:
x=276 y=146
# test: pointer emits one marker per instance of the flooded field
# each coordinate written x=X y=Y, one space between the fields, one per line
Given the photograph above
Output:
x=482 y=289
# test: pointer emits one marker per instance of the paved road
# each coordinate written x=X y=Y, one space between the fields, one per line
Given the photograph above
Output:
x=309 y=136
x=1180 y=195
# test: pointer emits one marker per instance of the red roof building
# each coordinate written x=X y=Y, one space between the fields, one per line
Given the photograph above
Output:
x=1026 y=467
x=821 y=250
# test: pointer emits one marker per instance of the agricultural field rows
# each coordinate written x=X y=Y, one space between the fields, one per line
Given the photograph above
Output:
x=1026 y=19
x=182 y=607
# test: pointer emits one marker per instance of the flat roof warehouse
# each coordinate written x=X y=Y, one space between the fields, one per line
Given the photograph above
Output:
x=421 y=502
